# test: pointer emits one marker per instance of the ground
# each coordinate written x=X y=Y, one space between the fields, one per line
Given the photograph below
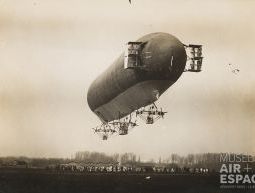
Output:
x=43 y=181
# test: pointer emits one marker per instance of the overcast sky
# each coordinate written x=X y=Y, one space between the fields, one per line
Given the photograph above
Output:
x=51 y=51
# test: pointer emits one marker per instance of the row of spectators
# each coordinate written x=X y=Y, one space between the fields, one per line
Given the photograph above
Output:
x=74 y=167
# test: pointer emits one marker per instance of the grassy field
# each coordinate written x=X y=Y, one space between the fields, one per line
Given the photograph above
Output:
x=42 y=181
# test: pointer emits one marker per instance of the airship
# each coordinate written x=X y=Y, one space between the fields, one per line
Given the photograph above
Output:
x=133 y=83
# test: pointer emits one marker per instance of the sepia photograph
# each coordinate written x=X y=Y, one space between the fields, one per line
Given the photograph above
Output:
x=127 y=96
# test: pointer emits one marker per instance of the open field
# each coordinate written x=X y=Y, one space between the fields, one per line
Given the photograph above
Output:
x=43 y=181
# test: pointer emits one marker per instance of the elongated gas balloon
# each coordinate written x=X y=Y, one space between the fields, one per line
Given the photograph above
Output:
x=138 y=77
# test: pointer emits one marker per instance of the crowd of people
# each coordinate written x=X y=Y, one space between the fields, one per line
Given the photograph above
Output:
x=74 y=167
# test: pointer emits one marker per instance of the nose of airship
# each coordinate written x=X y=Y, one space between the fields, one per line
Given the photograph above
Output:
x=164 y=54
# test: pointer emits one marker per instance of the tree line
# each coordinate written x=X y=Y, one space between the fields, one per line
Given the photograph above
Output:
x=212 y=161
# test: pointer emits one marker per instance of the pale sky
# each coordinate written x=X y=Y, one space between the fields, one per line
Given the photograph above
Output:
x=51 y=51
